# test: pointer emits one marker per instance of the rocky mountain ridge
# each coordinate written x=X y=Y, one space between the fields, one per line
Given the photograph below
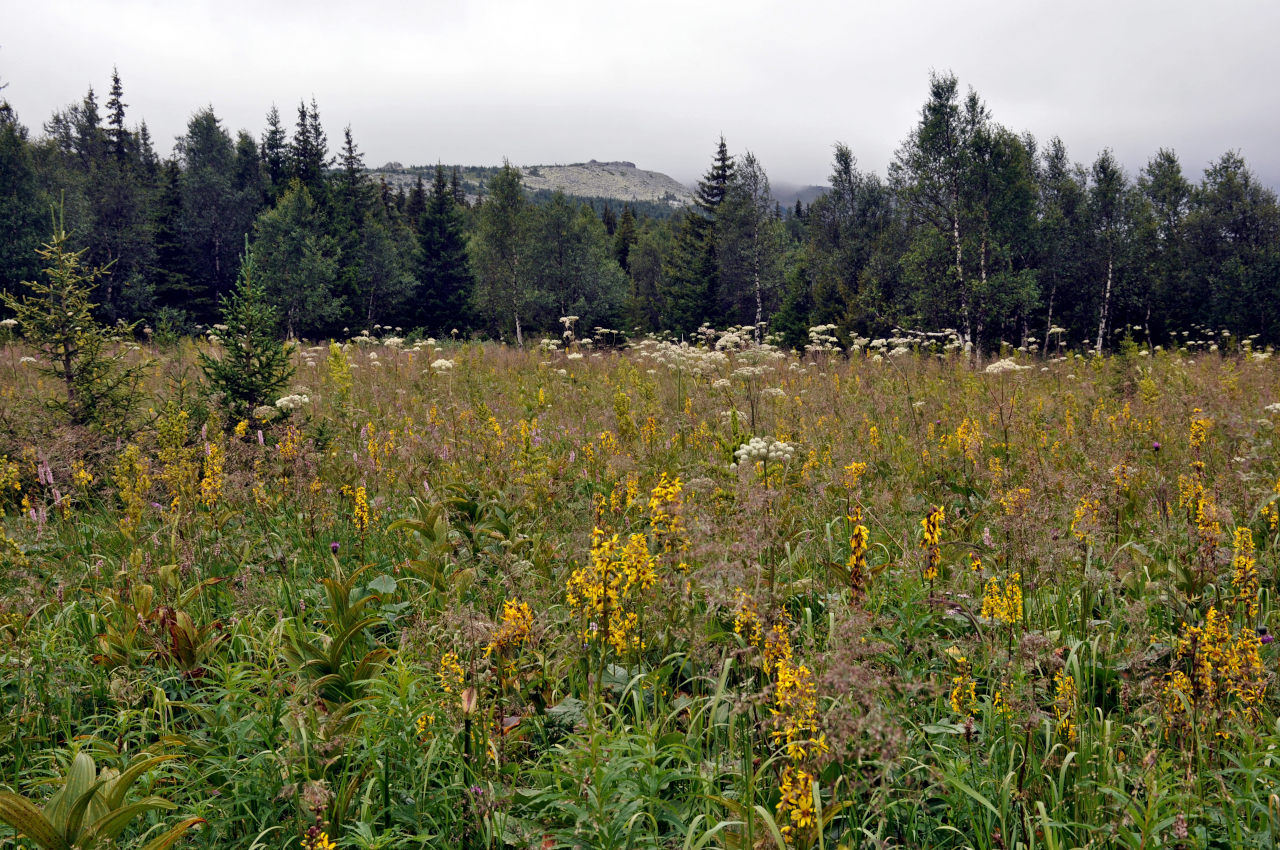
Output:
x=618 y=180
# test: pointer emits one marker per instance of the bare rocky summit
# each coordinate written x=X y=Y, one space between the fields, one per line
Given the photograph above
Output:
x=621 y=180
x=618 y=180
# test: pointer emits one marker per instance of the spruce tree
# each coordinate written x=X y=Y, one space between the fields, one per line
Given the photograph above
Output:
x=624 y=237
x=100 y=388
x=416 y=204
x=254 y=364
x=309 y=150
x=116 y=133
x=692 y=273
x=275 y=156
x=445 y=283
x=20 y=203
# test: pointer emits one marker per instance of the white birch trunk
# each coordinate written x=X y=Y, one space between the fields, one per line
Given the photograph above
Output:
x=1106 y=307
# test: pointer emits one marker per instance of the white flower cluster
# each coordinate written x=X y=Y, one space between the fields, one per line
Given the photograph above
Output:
x=1273 y=408
x=442 y=365
x=8 y=324
x=823 y=338
x=763 y=450
x=293 y=401
x=682 y=357
x=1006 y=365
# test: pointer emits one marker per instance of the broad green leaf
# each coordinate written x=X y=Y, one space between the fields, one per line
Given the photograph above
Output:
x=171 y=837
x=21 y=814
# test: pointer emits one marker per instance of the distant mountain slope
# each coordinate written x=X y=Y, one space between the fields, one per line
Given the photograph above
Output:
x=620 y=181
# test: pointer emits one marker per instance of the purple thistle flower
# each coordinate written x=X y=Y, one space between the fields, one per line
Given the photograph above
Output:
x=334 y=546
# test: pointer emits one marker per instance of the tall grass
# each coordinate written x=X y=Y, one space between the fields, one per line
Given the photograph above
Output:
x=735 y=671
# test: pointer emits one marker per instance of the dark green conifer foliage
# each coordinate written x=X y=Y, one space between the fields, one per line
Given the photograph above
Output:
x=173 y=288
x=118 y=136
x=20 y=204
x=101 y=388
x=445 y=282
x=692 y=273
x=309 y=150
x=216 y=214
x=415 y=204
x=275 y=156
x=624 y=237
x=255 y=365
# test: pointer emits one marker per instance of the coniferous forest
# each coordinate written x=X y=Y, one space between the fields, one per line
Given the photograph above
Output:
x=996 y=234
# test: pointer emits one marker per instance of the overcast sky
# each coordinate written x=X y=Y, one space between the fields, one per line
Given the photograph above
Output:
x=656 y=82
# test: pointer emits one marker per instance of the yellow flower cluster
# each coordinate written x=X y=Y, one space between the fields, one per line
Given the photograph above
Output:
x=1175 y=701
x=605 y=593
x=1000 y=706
x=1085 y=520
x=1225 y=665
x=746 y=618
x=968 y=439
x=1270 y=511
x=10 y=474
x=1064 y=704
x=964 y=695
x=1122 y=476
x=795 y=711
x=777 y=647
x=1199 y=430
x=318 y=841
x=1003 y=604
x=380 y=449
x=178 y=466
x=1244 y=576
x=665 y=521
x=930 y=540
x=425 y=724
x=1014 y=502
x=132 y=475
x=290 y=445
x=211 y=480
x=797 y=730
x=513 y=631
x=624 y=494
x=797 y=817
x=81 y=476
x=857 y=563
x=360 y=513
x=450 y=672
x=339 y=372
x=853 y=474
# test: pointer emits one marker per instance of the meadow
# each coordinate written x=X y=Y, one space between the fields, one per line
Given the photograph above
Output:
x=648 y=596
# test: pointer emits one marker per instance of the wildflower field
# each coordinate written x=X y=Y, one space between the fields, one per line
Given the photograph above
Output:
x=647 y=595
